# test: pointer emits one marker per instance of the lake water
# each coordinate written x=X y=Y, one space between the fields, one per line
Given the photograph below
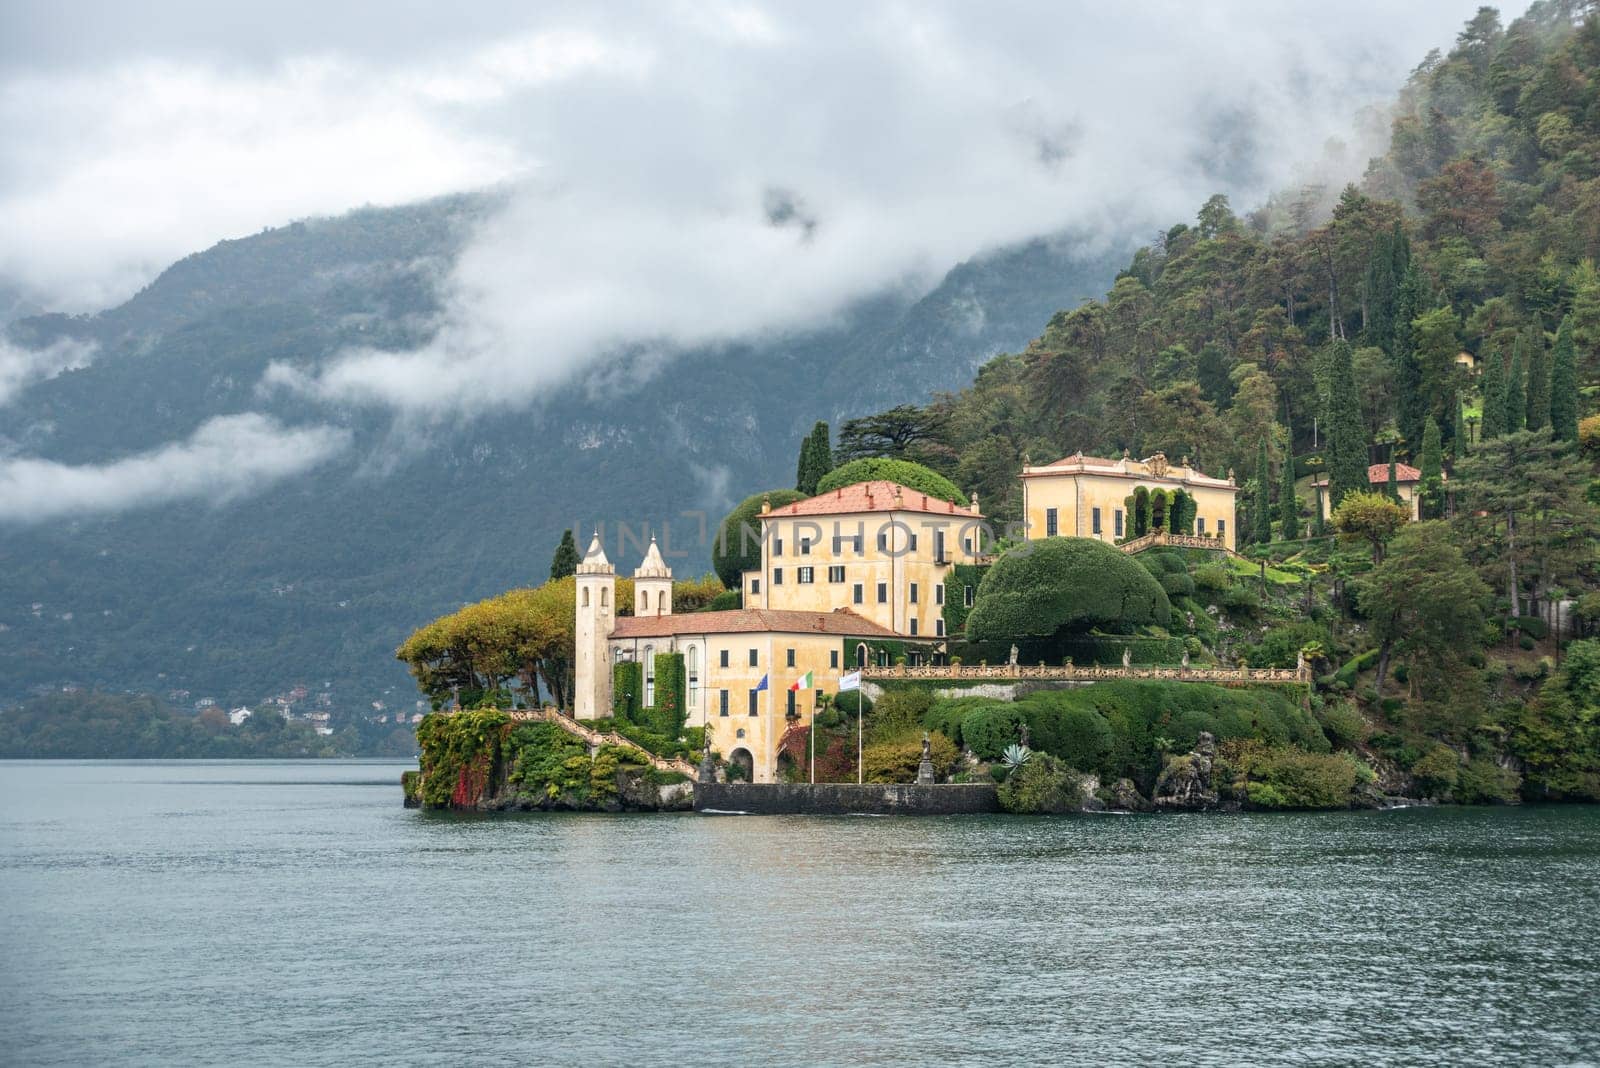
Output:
x=294 y=913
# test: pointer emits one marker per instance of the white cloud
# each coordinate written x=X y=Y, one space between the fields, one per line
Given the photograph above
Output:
x=688 y=174
x=21 y=368
x=225 y=458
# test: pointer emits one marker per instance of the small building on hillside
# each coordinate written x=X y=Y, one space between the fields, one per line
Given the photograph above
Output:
x=1408 y=484
x=1084 y=496
x=1467 y=362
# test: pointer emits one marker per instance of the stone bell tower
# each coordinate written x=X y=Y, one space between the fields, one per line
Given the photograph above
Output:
x=596 y=616
x=652 y=584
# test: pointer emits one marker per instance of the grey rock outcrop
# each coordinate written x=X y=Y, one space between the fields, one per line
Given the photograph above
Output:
x=1185 y=783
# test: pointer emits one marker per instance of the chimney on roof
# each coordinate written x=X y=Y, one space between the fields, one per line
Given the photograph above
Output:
x=899 y=497
x=974 y=500
x=766 y=503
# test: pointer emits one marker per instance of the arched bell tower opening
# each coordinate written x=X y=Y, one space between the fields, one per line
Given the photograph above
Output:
x=591 y=669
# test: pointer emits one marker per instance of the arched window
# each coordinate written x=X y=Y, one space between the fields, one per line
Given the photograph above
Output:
x=691 y=667
x=605 y=597
x=883 y=658
x=649 y=676
x=644 y=602
x=586 y=597
x=661 y=602
x=861 y=655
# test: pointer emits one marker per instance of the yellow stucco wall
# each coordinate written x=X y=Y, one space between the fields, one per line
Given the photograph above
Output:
x=1408 y=497
x=1075 y=497
x=911 y=579
x=820 y=654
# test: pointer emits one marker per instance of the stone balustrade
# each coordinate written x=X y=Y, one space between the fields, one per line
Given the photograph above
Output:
x=1091 y=673
x=1177 y=541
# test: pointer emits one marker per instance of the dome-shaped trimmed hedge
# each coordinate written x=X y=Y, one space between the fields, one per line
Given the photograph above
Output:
x=1045 y=586
x=910 y=475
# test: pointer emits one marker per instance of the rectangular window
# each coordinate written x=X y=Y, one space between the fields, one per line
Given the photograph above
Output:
x=966 y=599
x=788 y=708
x=938 y=626
x=912 y=546
x=1116 y=522
x=724 y=660
x=755 y=587
x=777 y=576
x=966 y=546
x=913 y=626
x=1050 y=526
x=752 y=658
x=938 y=545
x=805 y=575
x=777 y=546
x=1094 y=520
x=857 y=594
x=883 y=541
x=833 y=658
x=755 y=696
x=1200 y=526
x=836 y=573
x=722 y=698
x=913 y=593
x=805 y=546
x=938 y=594
x=789 y=657
x=1222 y=528
x=883 y=593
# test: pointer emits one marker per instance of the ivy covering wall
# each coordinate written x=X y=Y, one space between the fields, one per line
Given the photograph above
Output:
x=627 y=688
x=955 y=606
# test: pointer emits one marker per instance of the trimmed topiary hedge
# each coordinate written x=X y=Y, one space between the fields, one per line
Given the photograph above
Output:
x=627 y=689
x=908 y=474
x=736 y=547
x=1058 y=583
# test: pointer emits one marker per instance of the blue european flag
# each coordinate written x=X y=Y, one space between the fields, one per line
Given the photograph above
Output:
x=762 y=685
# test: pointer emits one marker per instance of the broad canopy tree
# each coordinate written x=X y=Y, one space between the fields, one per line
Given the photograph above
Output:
x=1057 y=585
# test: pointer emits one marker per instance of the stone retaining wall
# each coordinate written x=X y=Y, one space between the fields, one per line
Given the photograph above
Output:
x=842 y=799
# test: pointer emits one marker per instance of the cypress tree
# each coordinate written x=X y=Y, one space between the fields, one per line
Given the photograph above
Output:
x=1141 y=511
x=1564 y=385
x=1410 y=404
x=1347 y=438
x=1538 y=382
x=565 y=561
x=1393 y=485
x=1261 y=512
x=1516 y=399
x=1494 y=396
x=816 y=459
x=1458 y=431
x=1432 y=469
x=1158 y=510
x=1288 y=503
x=1380 y=293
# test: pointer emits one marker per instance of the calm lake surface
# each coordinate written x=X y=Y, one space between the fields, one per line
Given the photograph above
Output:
x=294 y=913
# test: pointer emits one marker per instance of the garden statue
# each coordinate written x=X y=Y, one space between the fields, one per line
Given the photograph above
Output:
x=1127 y=657
x=1186 y=658
x=1013 y=660
x=1022 y=733
x=925 y=774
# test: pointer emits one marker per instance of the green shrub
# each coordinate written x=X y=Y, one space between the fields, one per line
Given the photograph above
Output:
x=627 y=689
x=1354 y=666
x=1178 y=585
x=1342 y=723
x=897 y=761
x=910 y=475
x=1282 y=777
x=725 y=601
x=736 y=546
x=1532 y=626
x=1043 y=785
x=1280 y=646
x=1213 y=578
x=987 y=730
x=899 y=713
x=1526 y=643
x=1060 y=583
x=1483 y=782
x=1242 y=600
x=1436 y=771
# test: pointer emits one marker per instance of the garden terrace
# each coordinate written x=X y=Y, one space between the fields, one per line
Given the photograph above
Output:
x=1222 y=676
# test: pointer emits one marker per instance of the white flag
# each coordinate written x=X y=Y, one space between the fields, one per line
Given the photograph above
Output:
x=851 y=681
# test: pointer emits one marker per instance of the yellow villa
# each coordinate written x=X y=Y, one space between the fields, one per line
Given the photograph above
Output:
x=1407 y=485
x=1084 y=496
x=845 y=578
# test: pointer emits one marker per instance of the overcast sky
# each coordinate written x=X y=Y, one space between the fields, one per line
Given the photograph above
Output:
x=681 y=173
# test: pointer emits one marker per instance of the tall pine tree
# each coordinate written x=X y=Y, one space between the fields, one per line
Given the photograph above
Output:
x=1564 y=385
x=1261 y=511
x=1516 y=399
x=1392 y=485
x=1538 y=415
x=1494 y=396
x=1379 y=293
x=565 y=561
x=1347 y=438
x=1411 y=404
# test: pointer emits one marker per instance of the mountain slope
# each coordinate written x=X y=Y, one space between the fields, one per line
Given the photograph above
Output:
x=315 y=580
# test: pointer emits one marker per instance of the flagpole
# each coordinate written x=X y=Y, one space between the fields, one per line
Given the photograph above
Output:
x=811 y=732
x=858 y=734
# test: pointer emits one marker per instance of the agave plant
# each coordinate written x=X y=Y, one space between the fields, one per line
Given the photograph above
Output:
x=1017 y=755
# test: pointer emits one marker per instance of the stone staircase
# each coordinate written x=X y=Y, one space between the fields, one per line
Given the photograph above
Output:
x=598 y=738
x=1160 y=538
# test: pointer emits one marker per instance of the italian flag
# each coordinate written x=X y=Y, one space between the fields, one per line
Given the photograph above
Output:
x=803 y=682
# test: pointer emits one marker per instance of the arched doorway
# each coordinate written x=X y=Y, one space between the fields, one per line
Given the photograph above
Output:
x=741 y=765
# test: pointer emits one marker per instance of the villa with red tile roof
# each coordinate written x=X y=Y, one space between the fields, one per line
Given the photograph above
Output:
x=1408 y=484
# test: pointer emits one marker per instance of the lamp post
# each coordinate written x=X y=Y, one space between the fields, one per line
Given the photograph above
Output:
x=1472 y=429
